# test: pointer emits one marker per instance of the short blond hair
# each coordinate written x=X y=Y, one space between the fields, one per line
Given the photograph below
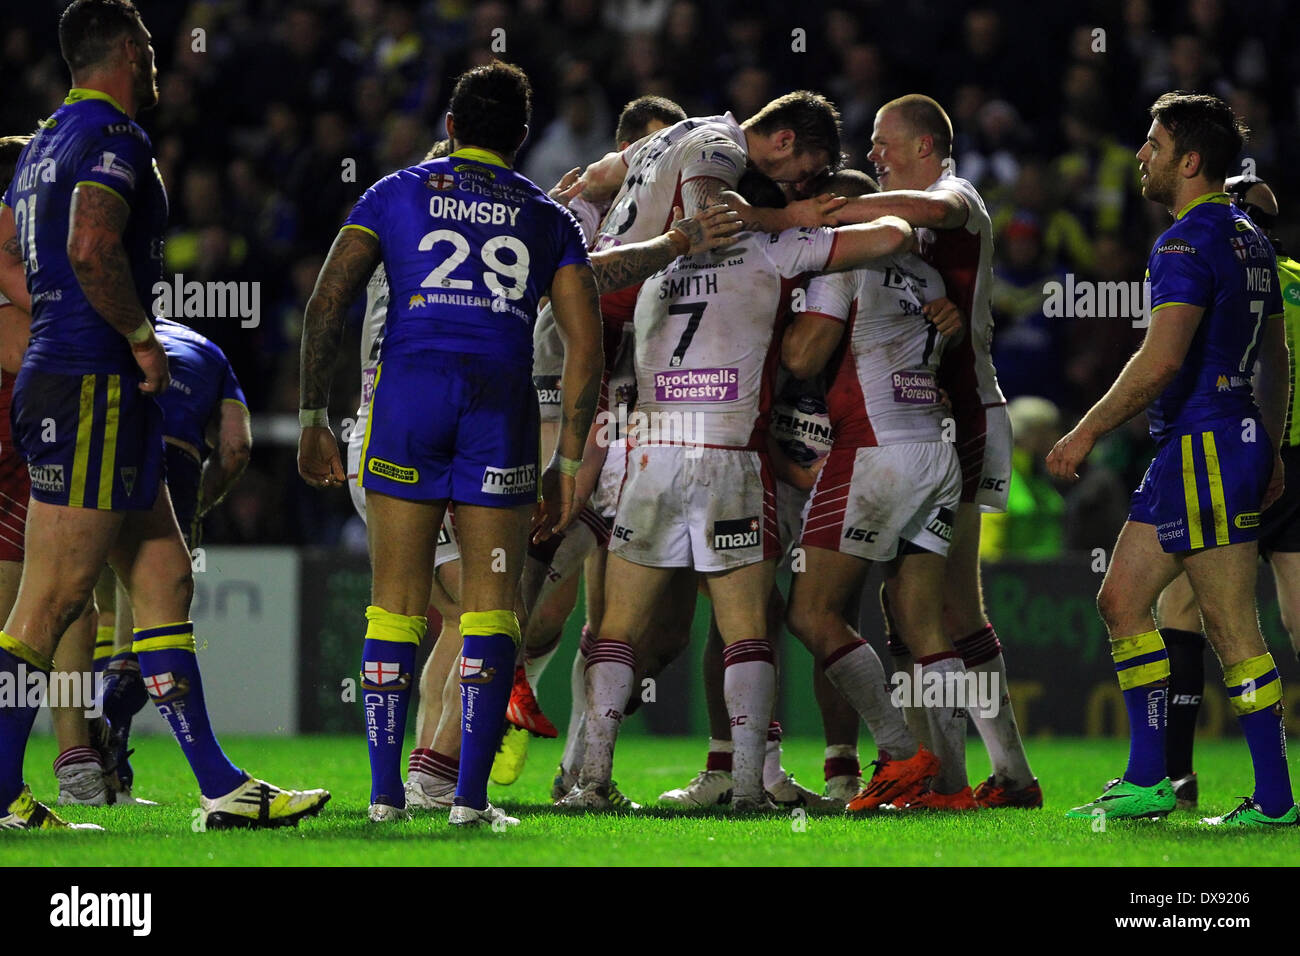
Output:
x=925 y=117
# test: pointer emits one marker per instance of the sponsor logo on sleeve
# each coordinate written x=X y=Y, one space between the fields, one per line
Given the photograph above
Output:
x=510 y=481
x=1176 y=246
x=738 y=533
x=110 y=165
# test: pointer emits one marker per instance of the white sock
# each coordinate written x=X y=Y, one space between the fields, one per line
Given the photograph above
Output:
x=611 y=667
x=857 y=673
x=1000 y=733
x=773 y=772
x=749 y=688
x=575 y=741
x=901 y=660
x=947 y=726
x=534 y=667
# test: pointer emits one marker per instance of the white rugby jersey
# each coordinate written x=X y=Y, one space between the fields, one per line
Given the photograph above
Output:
x=372 y=334
x=706 y=337
x=965 y=258
x=589 y=215
x=710 y=146
x=884 y=389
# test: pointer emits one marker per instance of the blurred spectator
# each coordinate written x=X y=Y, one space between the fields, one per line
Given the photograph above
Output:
x=1031 y=527
x=579 y=135
x=1028 y=347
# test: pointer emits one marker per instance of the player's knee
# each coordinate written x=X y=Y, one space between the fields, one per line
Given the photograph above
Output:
x=804 y=622
x=1113 y=607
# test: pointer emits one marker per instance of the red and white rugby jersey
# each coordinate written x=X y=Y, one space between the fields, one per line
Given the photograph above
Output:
x=707 y=342
x=372 y=333
x=589 y=216
x=884 y=386
x=711 y=146
x=964 y=257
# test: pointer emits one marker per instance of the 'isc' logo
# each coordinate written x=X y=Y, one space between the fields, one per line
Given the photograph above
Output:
x=860 y=534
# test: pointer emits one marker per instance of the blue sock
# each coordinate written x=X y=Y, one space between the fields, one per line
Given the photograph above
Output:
x=171 y=677
x=104 y=643
x=124 y=691
x=387 y=666
x=487 y=670
x=1255 y=690
x=17 y=663
x=1142 y=665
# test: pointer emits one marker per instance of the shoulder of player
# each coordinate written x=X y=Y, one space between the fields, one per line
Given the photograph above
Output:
x=1187 y=236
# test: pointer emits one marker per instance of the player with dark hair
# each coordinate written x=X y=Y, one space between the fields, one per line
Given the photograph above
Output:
x=1279 y=530
x=85 y=214
x=1215 y=309
x=453 y=412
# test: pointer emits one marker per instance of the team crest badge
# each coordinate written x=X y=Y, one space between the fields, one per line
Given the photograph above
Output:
x=472 y=671
x=383 y=675
x=166 y=686
x=441 y=181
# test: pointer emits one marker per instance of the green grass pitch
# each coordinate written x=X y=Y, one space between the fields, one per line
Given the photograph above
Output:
x=1072 y=772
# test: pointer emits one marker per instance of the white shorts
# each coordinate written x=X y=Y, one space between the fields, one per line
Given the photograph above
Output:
x=604 y=500
x=790 y=504
x=447 y=549
x=984 y=450
x=869 y=502
x=548 y=364
x=712 y=509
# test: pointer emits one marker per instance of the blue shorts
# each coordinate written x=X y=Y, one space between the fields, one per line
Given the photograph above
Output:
x=1204 y=487
x=91 y=441
x=183 y=476
x=450 y=426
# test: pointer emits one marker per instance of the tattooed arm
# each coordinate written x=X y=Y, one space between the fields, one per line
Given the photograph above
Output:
x=627 y=265
x=103 y=270
x=13 y=278
x=351 y=260
x=576 y=302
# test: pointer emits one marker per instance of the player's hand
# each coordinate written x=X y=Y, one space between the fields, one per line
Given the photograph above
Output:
x=318 y=458
x=709 y=229
x=556 y=510
x=805 y=478
x=814 y=212
x=1276 y=484
x=1068 y=454
x=569 y=187
x=944 y=315
x=151 y=358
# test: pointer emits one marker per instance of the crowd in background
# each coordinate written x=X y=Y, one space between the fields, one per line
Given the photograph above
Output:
x=275 y=116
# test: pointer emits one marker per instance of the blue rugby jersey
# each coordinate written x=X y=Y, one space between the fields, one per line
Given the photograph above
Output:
x=1213 y=256
x=201 y=379
x=89 y=139
x=469 y=247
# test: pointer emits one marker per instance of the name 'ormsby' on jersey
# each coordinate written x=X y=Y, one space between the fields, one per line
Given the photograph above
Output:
x=706 y=330
x=1213 y=256
x=89 y=139
x=469 y=246
x=884 y=389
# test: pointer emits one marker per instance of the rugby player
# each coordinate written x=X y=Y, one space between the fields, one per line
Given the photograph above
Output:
x=887 y=492
x=1279 y=532
x=86 y=213
x=1215 y=308
x=705 y=329
x=912 y=152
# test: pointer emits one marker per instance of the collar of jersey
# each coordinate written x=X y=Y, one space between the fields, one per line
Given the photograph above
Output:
x=1219 y=197
x=79 y=93
x=479 y=156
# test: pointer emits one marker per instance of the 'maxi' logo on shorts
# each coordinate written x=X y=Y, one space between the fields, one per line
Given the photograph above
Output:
x=386 y=469
x=548 y=389
x=740 y=533
x=510 y=481
x=942 y=524
x=46 y=477
x=1247 y=519
x=860 y=534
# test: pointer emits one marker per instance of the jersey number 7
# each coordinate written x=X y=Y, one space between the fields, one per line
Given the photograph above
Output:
x=696 y=312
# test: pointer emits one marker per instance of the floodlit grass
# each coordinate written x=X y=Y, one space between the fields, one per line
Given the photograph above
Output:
x=1072 y=772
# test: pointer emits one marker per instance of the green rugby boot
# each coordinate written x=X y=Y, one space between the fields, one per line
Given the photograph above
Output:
x=1250 y=815
x=1122 y=800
